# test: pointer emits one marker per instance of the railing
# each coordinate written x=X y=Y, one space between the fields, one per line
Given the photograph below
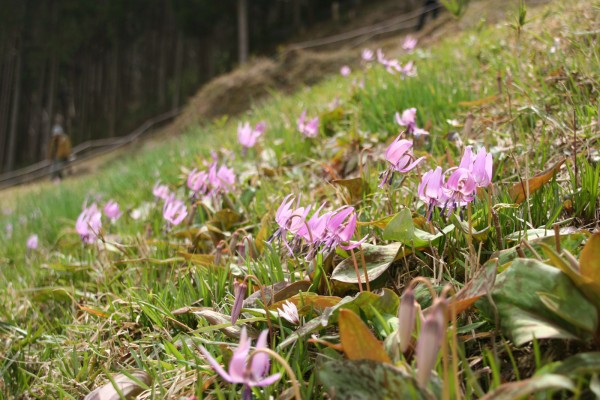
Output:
x=83 y=152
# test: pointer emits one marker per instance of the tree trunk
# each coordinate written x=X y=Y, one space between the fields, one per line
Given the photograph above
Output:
x=14 y=118
x=47 y=131
x=177 y=70
x=242 y=11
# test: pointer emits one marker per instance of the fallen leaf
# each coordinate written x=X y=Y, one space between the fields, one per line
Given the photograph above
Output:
x=518 y=191
x=589 y=260
x=358 y=341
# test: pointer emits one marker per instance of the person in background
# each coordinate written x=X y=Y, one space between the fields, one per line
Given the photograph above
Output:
x=429 y=6
x=59 y=151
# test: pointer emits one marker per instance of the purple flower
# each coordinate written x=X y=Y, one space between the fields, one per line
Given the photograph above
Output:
x=111 y=210
x=248 y=136
x=431 y=188
x=460 y=187
x=309 y=129
x=408 y=119
x=197 y=181
x=32 y=242
x=409 y=43
x=367 y=55
x=345 y=71
x=482 y=168
x=341 y=227
x=160 y=191
x=89 y=223
x=315 y=229
x=291 y=219
x=381 y=57
x=408 y=69
x=174 y=211
x=399 y=155
x=240 y=370
x=221 y=179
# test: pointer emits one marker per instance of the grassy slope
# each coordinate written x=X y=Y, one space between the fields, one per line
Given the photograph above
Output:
x=56 y=349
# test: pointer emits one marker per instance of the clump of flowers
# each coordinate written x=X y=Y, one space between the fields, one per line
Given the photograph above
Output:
x=393 y=66
x=241 y=370
x=309 y=129
x=460 y=187
x=89 y=223
x=217 y=179
x=321 y=232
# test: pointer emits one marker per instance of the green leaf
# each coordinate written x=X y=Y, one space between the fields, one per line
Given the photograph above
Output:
x=402 y=229
x=579 y=364
x=523 y=313
x=377 y=259
x=366 y=379
x=519 y=389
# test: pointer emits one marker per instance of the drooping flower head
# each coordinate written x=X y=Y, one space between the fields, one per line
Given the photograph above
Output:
x=242 y=371
x=460 y=187
x=431 y=188
x=197 y=181
x=174 y=211
x=111 y=210
x=400 y=158
x=309 y=129
x=407 y=119
x=341 y=227
x=89 y=223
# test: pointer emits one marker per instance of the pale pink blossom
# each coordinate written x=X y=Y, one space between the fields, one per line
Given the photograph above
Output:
x=174 y=211
x=309 y=129
x=345 y=71
x=111 y=210
x=409 y=43
x=32 y=242
x=89 y=223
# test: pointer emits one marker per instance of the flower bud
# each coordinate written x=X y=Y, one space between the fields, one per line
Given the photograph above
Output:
x=428 y=346
x=406 y=318
x=239 y=291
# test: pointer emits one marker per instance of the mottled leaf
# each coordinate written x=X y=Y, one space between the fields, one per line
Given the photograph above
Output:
x=522 y=388
x=377 y=259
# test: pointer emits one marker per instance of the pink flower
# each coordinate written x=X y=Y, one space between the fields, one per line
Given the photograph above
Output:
x=174 y=211
x=289 y=312
x=341 y=227
x=160 y=191
x=481 y=166
x=248 y=136
x=240 y=370
x=408 y=119
x=381 y=57
x=309 y=129
x=89 y=223
x=399 y=155
x=409 y=43
x=345 y=70
x=111 y=210
x=430 y=189
x=197 y=181
x=221 y=179
x=316 y=227
x=367 y=55
x=409 y=69
x=460 y=187
x=32 y=242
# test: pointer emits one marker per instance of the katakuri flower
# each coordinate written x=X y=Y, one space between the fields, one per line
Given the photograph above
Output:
x=242 y=371
x=407 y=119
x=239 y=292
x=345 y=71
x=197 y=181
x=409 y=43
x=367 y=55
x=32 y=242
x=431 y=188
x=341 y=227
x=400 y=158
x=247 y=136
x=309 y=129
x=289 y=312
x=161 y=191
x=111 y=210
x=460 y=188
x=174 y=211
x=89 y=223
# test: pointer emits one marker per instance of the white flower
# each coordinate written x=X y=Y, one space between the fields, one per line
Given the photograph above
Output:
x=289 y=312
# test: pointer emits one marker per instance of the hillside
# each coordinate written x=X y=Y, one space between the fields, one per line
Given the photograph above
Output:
x=458 y=260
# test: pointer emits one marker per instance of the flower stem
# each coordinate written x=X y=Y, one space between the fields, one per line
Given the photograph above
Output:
x=360 y=288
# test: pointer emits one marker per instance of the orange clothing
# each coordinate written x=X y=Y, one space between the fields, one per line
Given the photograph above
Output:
x=60 y=147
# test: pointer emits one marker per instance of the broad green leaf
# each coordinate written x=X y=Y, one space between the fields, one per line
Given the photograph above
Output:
x=377 y=259
x=589 y=261
x=520 y=389
x=579 y=364
x=402 y=229
x=364 y=379
x=358 y=341
x=524 y=315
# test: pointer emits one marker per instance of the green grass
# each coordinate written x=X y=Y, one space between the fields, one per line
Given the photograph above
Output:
x=71 y=314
